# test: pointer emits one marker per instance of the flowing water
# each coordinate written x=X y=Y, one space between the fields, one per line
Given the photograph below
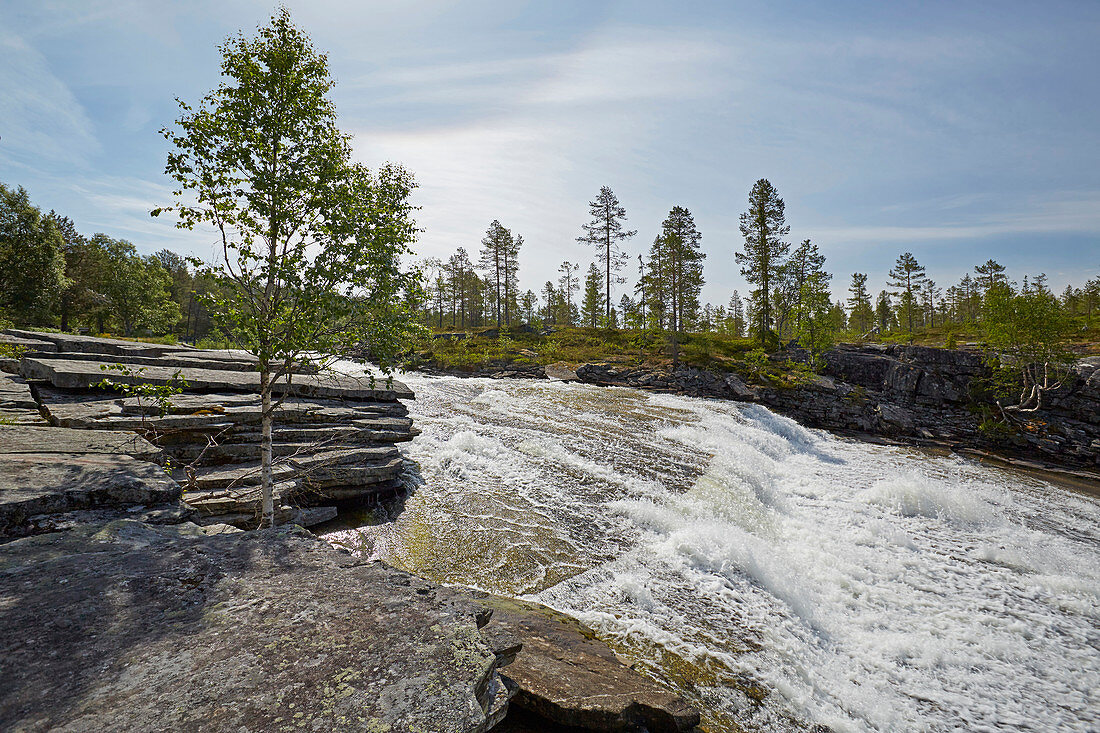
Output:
x=776 y=576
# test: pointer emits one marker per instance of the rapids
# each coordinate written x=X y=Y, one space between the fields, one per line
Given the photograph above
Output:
x=776 y=576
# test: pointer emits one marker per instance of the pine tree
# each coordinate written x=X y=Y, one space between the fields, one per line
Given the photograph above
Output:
x=459 y=269
x=763 y=227
x=931 y=294
x=495 y=249
x=679 y=252
x=529 y=306
x=990 y=274
x=511 y=276
x=860 y=303
x=592 y=305
x=551 y=307
x=655 y=283
x=907 y=277
x=604 y=232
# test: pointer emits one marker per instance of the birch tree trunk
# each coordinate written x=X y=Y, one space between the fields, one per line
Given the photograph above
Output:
x=266 y=483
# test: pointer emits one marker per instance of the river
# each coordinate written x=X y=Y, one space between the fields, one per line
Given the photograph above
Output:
x=775 y=576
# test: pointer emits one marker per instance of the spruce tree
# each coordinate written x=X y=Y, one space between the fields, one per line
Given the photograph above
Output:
x=860 y=303
x=765 y=252
x=592 y=303
x=604 y=232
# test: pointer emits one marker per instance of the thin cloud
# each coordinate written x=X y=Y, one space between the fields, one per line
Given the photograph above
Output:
x=1071 y=212
x=40 y=115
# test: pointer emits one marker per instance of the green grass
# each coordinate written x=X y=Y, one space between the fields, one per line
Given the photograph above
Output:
x=485 y=347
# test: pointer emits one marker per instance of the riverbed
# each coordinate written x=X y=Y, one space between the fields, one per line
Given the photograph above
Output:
x=775 y=576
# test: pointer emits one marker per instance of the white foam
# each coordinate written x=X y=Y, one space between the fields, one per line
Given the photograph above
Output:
x=869 y=588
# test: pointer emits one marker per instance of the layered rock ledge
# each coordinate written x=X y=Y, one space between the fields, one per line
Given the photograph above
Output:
x=335 y=434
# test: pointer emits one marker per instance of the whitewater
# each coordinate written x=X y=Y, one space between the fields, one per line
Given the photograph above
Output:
x=777 y=577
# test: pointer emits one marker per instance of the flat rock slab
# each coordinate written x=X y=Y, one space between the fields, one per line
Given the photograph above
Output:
x=30 y=344
x=48 y=440
x=52 y=483
x=566 y=677
x=91 y=344
x=77 y=374
x=15 y=393
x=198 y=359
x=128 y=627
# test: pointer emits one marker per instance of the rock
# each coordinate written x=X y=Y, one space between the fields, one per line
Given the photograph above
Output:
x=91 y=344
x=144 y=628
x=561 y=371
x=15 y=394
x=48 y=440
x=77 y=374
x=739 y=390
x=562 y=675
x=52 y=483
x=26 y=343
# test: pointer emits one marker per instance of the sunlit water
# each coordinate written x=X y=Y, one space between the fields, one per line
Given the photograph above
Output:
x=775 y=576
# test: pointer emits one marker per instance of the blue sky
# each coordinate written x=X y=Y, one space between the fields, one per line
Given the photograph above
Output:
x=958 y=131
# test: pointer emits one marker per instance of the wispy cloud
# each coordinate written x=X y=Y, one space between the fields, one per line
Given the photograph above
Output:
x=39 y=114
x=1068 y=212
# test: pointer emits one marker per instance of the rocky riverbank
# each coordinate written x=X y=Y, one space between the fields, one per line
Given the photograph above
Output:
x=135 y=603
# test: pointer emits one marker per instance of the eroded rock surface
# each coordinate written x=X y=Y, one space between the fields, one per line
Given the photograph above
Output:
x=78 y=475
x=176 y=628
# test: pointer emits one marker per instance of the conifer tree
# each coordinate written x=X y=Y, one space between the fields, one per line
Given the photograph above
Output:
x=765 y=251
x=990 y=274
x=859 y=304
x=459 y=269
x=907 y=277
x=681 y=257
x=604 y=232
x=592 y=304
x=568 y=282
x=884 y=311
x=494 y=260
x=737 y=314
x=806 y=264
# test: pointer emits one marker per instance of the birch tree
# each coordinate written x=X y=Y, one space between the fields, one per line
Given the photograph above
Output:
x=310 y=242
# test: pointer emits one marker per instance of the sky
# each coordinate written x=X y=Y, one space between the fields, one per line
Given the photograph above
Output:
x=957 y=131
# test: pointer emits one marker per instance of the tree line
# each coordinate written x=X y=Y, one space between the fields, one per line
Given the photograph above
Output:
x=790 y=296
x=52 y=275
